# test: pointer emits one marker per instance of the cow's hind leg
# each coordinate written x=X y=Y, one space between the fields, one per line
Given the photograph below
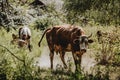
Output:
x=51 y=58
x=62 y=54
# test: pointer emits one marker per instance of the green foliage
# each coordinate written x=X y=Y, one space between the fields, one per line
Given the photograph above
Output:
x=26 y=68
x=46 y=21
x=102 y=11
x=109 y=48
x=24 y=65
x=77 y=5
x=41 y=24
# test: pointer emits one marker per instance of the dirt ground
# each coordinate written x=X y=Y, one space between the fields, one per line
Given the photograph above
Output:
x=87 y=63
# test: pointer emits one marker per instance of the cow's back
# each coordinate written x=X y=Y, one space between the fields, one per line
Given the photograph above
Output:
x=65 y=34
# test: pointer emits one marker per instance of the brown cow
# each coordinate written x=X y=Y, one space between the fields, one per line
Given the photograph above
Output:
x=65 y=38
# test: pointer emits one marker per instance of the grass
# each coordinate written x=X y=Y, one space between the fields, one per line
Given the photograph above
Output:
x=14 y=69
x=24 y=65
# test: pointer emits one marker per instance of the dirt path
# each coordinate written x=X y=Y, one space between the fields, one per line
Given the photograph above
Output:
x=87 y=60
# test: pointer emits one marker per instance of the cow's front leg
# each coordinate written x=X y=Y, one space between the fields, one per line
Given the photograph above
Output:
x=77 y=61
x=51 y=58
x=29 y=46
x=62 y=54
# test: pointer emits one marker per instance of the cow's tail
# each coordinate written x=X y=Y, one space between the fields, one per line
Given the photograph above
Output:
x=43 y=36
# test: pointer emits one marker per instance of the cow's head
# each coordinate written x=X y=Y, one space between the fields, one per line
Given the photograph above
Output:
x=25 y=37
x=83 y=42
x=16 y=40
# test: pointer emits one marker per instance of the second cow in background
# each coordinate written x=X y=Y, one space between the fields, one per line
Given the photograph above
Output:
x=25 y=34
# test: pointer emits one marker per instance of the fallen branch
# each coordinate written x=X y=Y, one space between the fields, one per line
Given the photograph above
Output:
x=12 y=53
x=18 y=59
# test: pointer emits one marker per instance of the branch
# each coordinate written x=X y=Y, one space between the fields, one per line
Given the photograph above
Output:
x=12 y=53
x=18 y=59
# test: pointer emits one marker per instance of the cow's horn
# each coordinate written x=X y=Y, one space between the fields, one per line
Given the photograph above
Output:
x=90 y=35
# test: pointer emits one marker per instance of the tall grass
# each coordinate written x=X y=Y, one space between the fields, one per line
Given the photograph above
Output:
x=24 y=65
x=17 y=63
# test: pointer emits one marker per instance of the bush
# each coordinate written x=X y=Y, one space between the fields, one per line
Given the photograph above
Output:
x=109 y=50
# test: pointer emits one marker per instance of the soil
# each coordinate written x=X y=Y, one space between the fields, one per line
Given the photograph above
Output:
x=87 y=63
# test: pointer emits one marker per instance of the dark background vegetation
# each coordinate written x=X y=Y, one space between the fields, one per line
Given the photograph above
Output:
x=101 y=11
x=18 y=64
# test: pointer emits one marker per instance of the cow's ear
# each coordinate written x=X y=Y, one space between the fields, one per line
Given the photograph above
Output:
x=14 y=36
x=76 y=41
x=90 y=41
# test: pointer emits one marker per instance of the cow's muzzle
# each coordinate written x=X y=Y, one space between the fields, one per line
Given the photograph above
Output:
x=83 y=50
